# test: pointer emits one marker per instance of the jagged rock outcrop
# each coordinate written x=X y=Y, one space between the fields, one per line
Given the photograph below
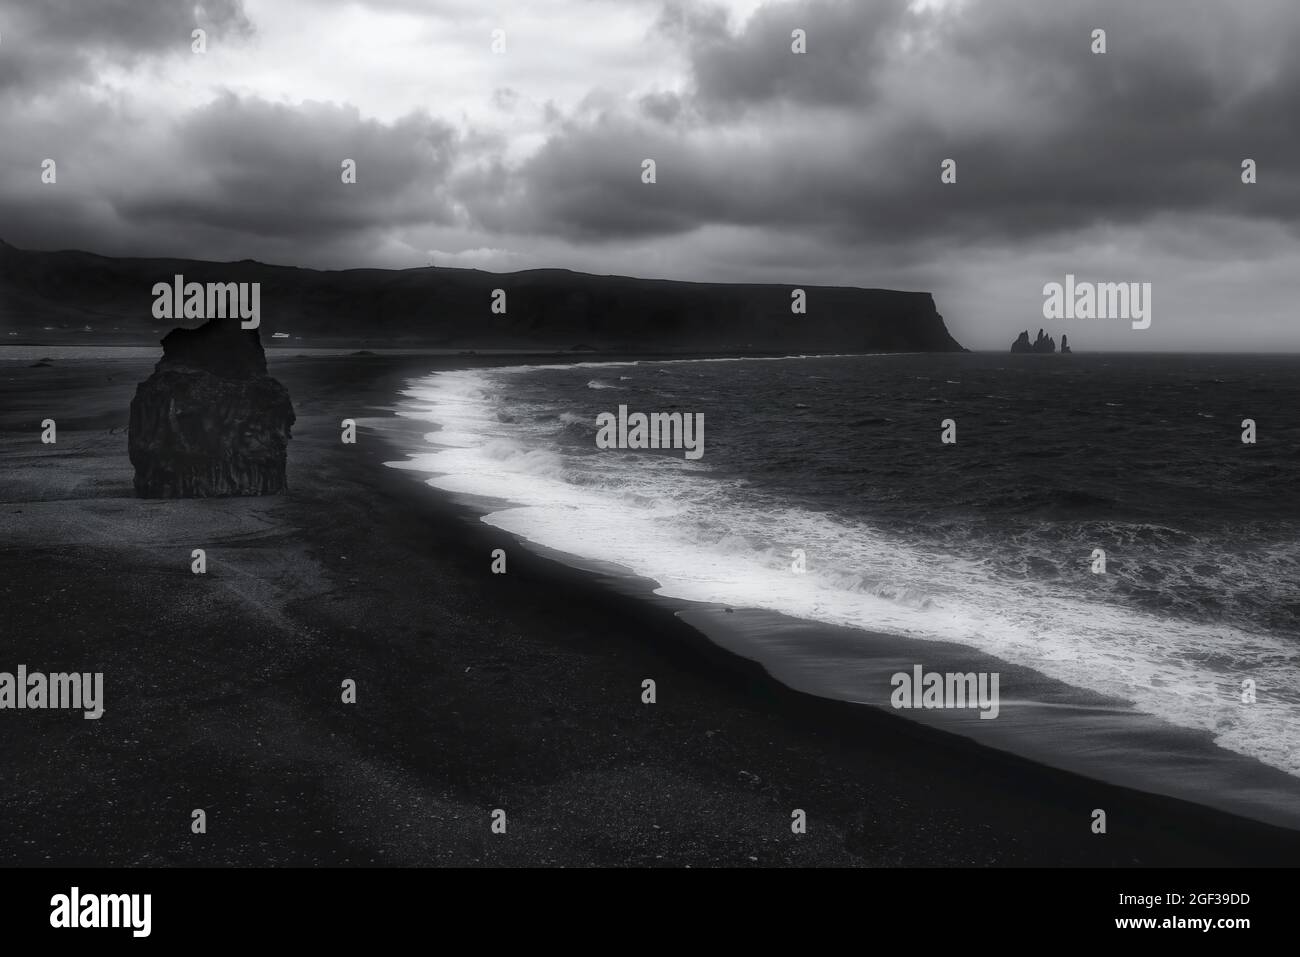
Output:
x=210 y=421
x=1065 y=344
x=1044 y=343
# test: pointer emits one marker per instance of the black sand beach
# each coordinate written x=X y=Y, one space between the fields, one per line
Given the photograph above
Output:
x=474 y=691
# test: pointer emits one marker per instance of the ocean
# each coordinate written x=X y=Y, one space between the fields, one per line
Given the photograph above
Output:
x=1176 y=669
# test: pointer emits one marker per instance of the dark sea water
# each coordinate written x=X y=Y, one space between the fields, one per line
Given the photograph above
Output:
x=987 y=544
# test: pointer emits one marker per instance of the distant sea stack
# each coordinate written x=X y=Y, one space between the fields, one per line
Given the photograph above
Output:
x=439 y=307
x=1044 y=343
x=210 y=421
x=1065 y=344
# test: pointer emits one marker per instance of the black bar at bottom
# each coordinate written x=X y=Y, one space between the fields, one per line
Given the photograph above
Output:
x=334 y=907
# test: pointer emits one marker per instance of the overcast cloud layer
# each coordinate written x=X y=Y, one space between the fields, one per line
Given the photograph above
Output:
x=821 y=167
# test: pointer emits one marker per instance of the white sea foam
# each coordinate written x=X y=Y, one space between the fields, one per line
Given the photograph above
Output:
x=705 y=539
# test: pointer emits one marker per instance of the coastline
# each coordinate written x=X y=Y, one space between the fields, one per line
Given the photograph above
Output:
x=474 y=691
x=1044 y=720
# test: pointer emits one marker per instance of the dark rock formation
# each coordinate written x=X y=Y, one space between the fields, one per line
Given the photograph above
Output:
x=1065 y=344
x=209 y=420
x=550 y=309
x=1044 y=343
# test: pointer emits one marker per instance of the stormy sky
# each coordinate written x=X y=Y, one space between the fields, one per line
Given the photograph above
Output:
x=813 y=168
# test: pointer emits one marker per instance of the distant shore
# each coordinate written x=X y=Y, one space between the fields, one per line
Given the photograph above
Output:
x=474 y=691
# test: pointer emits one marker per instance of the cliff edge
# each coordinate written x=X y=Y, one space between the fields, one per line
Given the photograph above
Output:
x=77 y=297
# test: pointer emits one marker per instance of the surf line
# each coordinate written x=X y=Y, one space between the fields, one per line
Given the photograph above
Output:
x=656 y=430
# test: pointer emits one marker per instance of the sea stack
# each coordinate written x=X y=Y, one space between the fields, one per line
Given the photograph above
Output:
x=1044 y=343
x=210 y=421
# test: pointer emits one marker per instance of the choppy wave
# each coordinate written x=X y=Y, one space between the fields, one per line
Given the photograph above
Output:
x=708 y=537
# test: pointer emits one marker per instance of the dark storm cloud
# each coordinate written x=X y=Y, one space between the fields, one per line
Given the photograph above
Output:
x=275 y=170
x=235 y=175
x=852 y=41
x=836 y=152
x=56 y=41
x=846 y=140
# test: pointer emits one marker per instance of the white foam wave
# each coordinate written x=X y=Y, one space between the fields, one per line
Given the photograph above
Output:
x=709 y=540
